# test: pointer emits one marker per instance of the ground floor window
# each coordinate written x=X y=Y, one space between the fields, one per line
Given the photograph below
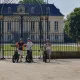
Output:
x=41 y=37
x=48 y=37
x=32 y=37
x=56 y=37
x=9 y=37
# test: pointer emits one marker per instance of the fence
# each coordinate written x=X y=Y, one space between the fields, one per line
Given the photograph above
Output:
x=14 y=26
x=58 y=44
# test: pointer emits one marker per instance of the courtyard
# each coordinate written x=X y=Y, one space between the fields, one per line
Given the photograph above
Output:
x=59 y=69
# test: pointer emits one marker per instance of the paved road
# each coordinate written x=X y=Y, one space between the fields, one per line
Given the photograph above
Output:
x=56 y=70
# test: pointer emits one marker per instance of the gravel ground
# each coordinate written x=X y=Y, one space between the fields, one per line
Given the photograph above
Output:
x=61 y=69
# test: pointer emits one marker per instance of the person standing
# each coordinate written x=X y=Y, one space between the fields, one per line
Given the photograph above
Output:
x=47 y=47
x=20 y=48
x=29 y=45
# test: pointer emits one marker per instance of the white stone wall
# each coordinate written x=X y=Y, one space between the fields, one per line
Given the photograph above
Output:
x=60 y=31
x=15 y=26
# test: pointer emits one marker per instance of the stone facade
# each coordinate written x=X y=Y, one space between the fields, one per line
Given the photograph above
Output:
x=13 y=22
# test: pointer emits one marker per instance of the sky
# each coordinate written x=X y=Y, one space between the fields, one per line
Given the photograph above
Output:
x=65 y=6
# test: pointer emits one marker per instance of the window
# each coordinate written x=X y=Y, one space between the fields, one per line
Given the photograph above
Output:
x=41 y=37
x=9 y=37
x=32 y=37
x=48 y=10
x=9 y=26
x=32 y=10
x=32 y=26
x=56 y=37
x=1 y=26
x=56 y=26
x=21 y=9
x=48 y=36
x=9 y=10
x=41 y=26
x=48 y=26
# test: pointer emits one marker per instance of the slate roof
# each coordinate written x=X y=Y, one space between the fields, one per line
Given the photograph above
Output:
x=38 y=9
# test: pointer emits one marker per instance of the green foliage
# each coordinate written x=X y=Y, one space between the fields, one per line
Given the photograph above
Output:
x=32 y=1
x=72 y=24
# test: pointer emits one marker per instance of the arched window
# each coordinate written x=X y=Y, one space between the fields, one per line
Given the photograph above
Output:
x=32 y=10
x=9 y=10
x=48 y=10
x=21 y=9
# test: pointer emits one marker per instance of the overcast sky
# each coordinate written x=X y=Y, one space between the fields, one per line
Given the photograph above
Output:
x=65 y=6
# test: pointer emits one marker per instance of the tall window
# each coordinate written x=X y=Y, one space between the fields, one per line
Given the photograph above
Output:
x=48 y=37
x=9 y=37
x=32 y=37
x=56 y=26
x=40 y=26
x=56 y=37
x=32 y=26
x=48 y=26
x=1 y=26
x=40 y=36
x=9 y=26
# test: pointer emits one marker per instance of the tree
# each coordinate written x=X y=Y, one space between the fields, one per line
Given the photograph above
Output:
x=32 y=1
x=72 y=24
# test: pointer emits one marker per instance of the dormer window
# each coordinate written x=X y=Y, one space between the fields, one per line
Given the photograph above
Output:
x=21 y=9
x=48 y=10
x=32 y=10
x=9 y=10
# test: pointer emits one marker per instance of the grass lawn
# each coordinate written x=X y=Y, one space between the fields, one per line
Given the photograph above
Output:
x=9 y=50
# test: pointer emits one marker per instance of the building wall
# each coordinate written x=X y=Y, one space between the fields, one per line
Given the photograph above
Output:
x=15 y=27
x=52 y=19
x=60 y=32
